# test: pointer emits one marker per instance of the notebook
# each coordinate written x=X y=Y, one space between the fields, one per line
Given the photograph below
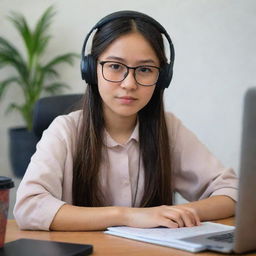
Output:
x=170 y=237
x=25 y=247
x=238 y=240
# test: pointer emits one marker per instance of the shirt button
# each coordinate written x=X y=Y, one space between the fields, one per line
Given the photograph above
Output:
x=126 y=183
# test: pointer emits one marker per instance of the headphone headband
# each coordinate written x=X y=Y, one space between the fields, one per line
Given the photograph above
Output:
x=131 y=15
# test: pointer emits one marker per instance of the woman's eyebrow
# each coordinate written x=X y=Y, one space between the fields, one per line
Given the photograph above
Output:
x=147 y=61
x=115 y=58
x=139 y=62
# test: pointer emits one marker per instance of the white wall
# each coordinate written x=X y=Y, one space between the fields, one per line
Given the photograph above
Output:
x=215 y=60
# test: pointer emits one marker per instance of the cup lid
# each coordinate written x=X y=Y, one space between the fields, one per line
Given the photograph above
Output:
x=6 y=182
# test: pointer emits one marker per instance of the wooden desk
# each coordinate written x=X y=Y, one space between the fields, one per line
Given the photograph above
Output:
x=104 y=244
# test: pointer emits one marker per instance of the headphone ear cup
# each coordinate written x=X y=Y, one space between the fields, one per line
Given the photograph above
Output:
x=165 y=76
x=83 y=68
x=88 y=69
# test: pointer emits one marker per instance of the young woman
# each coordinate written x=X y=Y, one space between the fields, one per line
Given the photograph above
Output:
x=119 y=160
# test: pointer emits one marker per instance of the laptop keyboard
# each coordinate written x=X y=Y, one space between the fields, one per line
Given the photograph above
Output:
x=227 y=237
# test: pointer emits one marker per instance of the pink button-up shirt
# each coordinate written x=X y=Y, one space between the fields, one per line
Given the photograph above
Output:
x=47 y=184
x=122 y=171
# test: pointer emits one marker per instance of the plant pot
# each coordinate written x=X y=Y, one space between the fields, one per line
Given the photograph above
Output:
x=22 y=147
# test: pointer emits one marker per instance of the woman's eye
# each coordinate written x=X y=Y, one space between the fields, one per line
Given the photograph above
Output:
x=144 y=70
x=115 y=66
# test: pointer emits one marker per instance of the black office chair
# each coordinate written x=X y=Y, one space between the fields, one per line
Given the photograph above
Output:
x=46 y=109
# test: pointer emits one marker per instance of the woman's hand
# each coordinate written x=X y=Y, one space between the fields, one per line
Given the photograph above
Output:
x=184 y=215
x=166 y=216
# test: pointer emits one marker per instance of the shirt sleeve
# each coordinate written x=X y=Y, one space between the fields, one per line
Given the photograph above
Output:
x=40 y=194
x=197 y=173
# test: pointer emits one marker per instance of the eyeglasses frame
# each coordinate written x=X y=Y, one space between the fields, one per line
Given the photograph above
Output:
x=128 y=68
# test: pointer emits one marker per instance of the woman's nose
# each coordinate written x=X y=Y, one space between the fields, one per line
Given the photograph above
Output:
x=129 y=82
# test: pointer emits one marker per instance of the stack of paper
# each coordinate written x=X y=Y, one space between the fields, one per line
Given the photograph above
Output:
x=170 y=237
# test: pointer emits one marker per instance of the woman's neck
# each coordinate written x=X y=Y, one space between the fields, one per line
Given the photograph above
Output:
x=120 y=128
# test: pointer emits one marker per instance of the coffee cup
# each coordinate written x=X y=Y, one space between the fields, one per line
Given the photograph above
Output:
x=5 y=185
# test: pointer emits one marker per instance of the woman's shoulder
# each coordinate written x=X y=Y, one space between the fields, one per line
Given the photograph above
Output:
x=71 y=118
x=172 y=121
x=174 y=126
x=66 y=124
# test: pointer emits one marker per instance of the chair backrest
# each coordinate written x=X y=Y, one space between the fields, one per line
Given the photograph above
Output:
x=46 y=109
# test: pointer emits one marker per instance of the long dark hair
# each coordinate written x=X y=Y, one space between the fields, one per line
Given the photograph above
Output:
x=153 y=135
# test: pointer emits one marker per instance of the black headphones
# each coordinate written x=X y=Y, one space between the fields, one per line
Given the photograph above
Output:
x=88 y=62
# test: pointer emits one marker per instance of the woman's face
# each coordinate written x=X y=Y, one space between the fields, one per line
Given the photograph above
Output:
x=126 y=98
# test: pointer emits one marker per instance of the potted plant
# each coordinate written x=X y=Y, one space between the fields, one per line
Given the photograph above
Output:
x=33 y=76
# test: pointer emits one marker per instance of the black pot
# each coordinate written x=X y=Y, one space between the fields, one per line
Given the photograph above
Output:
x=22 y=147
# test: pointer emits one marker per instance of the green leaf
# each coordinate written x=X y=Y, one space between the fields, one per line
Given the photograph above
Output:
x=40 y=36
x=50 y=72
x=5 y=83
x=65 y=58
x=43 y=44
x=22 y=27
x=25 y=111
x=54 y=88
x=10 y=56
x=12 y=107
x=7 y=47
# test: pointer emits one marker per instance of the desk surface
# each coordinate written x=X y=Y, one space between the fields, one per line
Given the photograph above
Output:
x=104 y=244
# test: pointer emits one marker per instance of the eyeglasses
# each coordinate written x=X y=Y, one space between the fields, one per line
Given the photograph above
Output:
x=116 y=72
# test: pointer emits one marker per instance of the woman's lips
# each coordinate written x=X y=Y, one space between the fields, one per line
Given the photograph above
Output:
x=126 y=99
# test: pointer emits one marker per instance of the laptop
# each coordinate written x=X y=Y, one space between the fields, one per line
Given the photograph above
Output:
x=243 y=238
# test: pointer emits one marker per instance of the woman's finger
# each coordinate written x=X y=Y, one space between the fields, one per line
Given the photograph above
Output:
x=184 y=216
x=195 y=215
x=175 y=216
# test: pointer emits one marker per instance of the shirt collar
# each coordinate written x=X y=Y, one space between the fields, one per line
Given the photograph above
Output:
x=110 y=142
